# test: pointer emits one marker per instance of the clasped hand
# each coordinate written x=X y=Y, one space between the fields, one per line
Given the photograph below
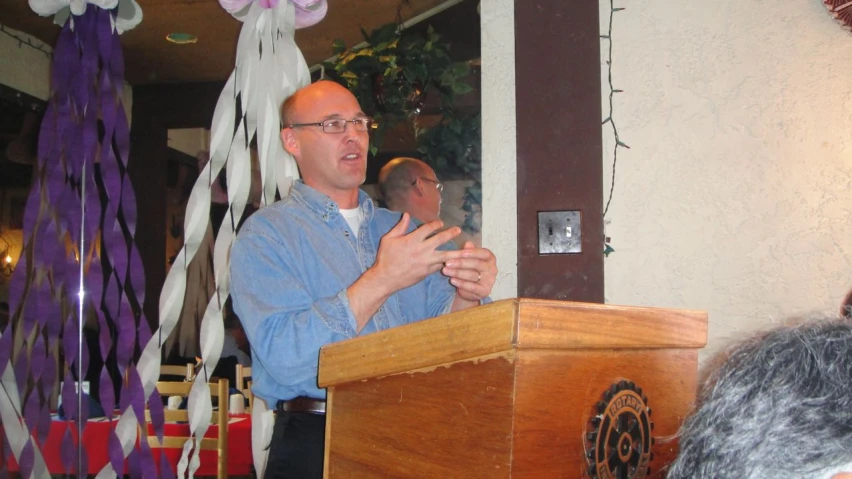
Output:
x=404 y=259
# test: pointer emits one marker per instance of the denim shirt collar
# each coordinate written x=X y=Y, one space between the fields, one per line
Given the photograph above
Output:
x=323 y=206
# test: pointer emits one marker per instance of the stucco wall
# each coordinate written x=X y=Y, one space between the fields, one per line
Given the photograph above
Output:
x=499 y=170
x=736 y=194
x=23 y=68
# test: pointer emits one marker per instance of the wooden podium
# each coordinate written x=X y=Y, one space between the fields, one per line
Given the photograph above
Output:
x=518 y=388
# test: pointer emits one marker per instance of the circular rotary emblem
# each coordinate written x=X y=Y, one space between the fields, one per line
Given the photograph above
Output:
x=618 y=444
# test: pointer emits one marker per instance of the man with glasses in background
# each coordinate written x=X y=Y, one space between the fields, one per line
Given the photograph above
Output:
x=410 y=185
x=323 y=265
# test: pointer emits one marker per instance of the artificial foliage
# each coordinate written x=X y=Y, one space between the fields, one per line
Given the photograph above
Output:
x=391 y=74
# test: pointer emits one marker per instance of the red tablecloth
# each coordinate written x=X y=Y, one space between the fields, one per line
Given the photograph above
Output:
x=96 y=435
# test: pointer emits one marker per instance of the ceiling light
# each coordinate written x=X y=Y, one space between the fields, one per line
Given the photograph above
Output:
x=181 y=38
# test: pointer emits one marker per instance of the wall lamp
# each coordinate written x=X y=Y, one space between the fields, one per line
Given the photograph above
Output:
x=6 y=268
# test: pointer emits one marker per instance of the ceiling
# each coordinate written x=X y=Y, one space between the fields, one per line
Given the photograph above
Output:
x=149 y=58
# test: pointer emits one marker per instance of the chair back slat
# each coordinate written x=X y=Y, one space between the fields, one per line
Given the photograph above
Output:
x=219 y=417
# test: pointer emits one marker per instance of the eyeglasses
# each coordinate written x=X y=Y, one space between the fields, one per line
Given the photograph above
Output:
x=338 y=125
x=438 y=185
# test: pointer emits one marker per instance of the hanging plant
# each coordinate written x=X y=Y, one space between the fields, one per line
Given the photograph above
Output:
x=395 y=71
x=392 y=75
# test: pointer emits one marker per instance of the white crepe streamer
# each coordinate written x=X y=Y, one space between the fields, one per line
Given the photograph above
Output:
x=126 y=18
x=125 y=427
x=262 y=420
x=16 y=429
x=212 y=325
x=78 y=7
x=269 y=69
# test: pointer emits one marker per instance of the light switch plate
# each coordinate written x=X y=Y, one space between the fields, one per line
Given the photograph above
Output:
x=559 y=232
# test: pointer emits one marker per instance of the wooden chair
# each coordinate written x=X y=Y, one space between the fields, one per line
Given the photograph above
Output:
x=177 y=370
x=220 y=418
x=243 y=377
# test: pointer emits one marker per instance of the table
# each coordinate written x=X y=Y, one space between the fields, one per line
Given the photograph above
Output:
x=96 y=436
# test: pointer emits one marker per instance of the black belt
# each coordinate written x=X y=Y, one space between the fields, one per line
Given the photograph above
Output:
x=303 y=404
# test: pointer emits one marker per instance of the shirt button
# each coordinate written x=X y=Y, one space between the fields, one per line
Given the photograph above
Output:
x=345 y=233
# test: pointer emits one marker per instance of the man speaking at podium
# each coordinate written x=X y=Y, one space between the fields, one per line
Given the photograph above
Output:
x=323 y=265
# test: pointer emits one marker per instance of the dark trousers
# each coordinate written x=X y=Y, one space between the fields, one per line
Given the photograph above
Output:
x=297 y=446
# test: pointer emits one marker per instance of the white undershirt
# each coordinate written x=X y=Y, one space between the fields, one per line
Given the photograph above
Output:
x=354 y=218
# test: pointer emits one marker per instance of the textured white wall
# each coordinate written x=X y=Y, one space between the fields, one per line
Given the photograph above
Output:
x=23 y=68
x=499 y=170
x=736 y=194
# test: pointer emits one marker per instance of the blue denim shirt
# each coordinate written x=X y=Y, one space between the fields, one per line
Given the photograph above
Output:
x=290 y=268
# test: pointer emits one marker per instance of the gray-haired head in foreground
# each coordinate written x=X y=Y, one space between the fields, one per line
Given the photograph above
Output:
x=780 y=406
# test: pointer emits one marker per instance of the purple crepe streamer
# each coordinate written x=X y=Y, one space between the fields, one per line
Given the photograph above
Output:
x=166 y=471
x=33 y=403
x=31 y=311
x=36 y=305
x=158 y=417
x=110 y=298
x=134 y=468
x=116 y=453
x=149 y=467
x=44 y=373
x=39 y=359
x=69 y=343
x=27 y=459
x=32 y=411
x=68 y=450
x=44 y=418
x=144 y=334
x=137 y=276
x=49 y=376
x=106 y=391
x=136 y=394
x=84 y=358
x=69 y=396
x=84 y=465
x=93 y=213
x=87 y=78
x=18 y=280
x=6 y=347
x=21 y=365
x=122 y=130
x=46 y=142
x=126 y=336
x=53 y=328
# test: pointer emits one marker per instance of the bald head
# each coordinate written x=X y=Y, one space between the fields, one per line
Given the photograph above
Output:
x=295 y=105
x=408 y=184
x=330 y=160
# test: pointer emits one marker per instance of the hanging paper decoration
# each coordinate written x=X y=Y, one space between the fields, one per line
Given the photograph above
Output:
x=269 y=68
x=78 y=257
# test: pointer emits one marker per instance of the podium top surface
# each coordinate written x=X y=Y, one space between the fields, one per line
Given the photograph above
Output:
x=507 y=325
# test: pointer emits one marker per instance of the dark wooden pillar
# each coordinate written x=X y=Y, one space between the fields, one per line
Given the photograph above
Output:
x=558 y=97
x=156 y=109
